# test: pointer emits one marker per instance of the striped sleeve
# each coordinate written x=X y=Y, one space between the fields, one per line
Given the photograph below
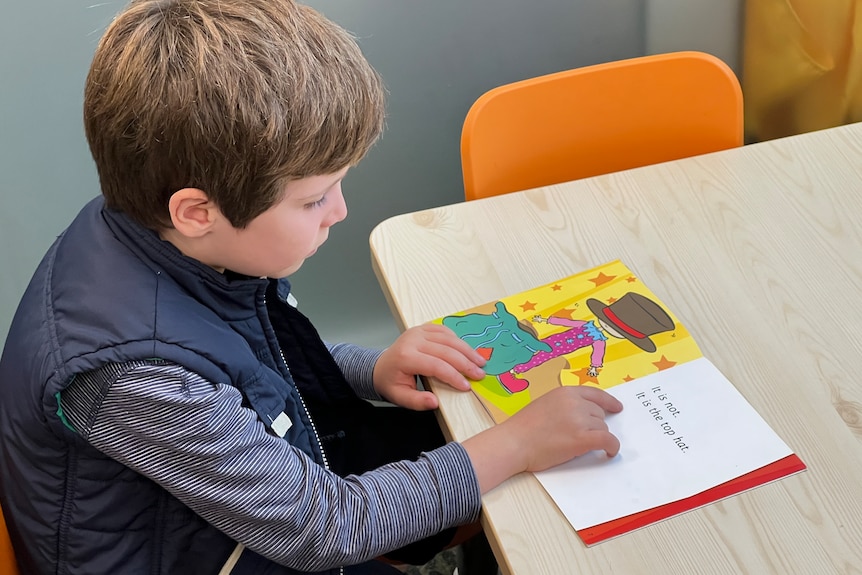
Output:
x=357 y=364
x=197 y=441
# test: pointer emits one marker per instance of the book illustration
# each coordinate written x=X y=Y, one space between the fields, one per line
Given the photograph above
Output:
x=688 y=437
x=633 y=317
x=601 y=327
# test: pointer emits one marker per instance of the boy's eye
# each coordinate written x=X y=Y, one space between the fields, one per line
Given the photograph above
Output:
x=318 y=203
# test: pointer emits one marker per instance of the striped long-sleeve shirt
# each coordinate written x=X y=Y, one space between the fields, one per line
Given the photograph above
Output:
x=196 y=440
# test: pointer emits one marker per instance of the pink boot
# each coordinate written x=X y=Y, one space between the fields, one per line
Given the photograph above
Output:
x=511 y=383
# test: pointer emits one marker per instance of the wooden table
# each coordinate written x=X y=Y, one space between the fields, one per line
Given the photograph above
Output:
x=758 y=250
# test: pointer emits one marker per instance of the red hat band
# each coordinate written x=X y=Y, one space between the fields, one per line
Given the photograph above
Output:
x=624 y=327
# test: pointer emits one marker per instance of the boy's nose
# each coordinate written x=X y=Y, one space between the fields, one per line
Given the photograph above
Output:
x=338 y=210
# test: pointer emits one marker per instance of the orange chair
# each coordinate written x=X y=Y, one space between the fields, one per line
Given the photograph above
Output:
x=599 y=119
x=7 y=555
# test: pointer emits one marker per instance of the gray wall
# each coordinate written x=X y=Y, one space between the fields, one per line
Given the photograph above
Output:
x=46 y=173
x=436 y=57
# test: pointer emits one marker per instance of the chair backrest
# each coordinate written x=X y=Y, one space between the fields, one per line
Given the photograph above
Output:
x=7 y=555
x=599 y=119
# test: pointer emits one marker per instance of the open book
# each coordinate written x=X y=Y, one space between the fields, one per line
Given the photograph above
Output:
x=688 y=438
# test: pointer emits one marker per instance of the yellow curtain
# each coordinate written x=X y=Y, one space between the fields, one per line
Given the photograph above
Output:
x=802 y=66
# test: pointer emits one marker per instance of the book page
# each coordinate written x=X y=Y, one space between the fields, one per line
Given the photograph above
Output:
x=682 y=431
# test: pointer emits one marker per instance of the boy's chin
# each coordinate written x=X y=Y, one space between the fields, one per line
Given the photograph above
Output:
x=287 y=272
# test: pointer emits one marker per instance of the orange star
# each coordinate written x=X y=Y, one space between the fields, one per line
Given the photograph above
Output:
x=631 y=279
x=583 y=377
x=563 y=313
x=611 y=300
x=664 y=363
x=528 y=305
x=601 y=279
x=628 y=378
x=556 y=287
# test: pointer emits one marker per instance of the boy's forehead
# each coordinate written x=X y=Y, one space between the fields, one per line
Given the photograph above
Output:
x=313 y=184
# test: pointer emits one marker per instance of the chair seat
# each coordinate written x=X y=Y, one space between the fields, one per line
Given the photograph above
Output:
x=7 y=555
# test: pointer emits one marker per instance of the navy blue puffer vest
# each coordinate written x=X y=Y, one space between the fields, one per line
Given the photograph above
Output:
x=111 y=291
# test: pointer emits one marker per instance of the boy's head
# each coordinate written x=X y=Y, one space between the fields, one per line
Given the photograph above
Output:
x=232 y=97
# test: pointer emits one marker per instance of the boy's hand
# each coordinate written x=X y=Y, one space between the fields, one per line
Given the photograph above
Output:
x=432 y=350
x=562 y=424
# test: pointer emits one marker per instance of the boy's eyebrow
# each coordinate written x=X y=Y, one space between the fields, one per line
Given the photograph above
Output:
x=319 y=192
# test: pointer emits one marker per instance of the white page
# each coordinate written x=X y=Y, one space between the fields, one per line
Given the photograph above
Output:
x=720 y=437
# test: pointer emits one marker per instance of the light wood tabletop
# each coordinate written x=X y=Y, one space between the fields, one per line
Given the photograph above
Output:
x=758 y=251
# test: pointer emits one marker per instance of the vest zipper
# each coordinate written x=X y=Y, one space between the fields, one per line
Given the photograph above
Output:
x=307 y=415
x=302 y=402
x=313 y=427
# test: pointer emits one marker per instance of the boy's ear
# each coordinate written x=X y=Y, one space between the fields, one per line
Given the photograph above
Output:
x=192 y=213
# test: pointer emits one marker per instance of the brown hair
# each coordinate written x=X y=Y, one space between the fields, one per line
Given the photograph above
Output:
x=234 y=97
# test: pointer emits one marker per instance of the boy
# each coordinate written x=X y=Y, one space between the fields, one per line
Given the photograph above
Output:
x=163 y=406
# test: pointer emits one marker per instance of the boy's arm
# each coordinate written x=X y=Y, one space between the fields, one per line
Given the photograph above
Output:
x=565 y=423
x=357 y=364
x=196 y=440
x=560 y=425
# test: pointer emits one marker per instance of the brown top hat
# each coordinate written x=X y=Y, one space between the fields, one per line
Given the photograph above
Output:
x=635 y=317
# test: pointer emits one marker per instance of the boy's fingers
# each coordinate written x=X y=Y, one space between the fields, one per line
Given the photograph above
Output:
x=445 y=336
x=447 y=364
x=595 y=410
x=604 y=440
x=601 y=398
x=413 y=398
x=450 y=376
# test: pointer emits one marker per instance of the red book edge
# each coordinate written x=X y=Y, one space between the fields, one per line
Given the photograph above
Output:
x=781 y=468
